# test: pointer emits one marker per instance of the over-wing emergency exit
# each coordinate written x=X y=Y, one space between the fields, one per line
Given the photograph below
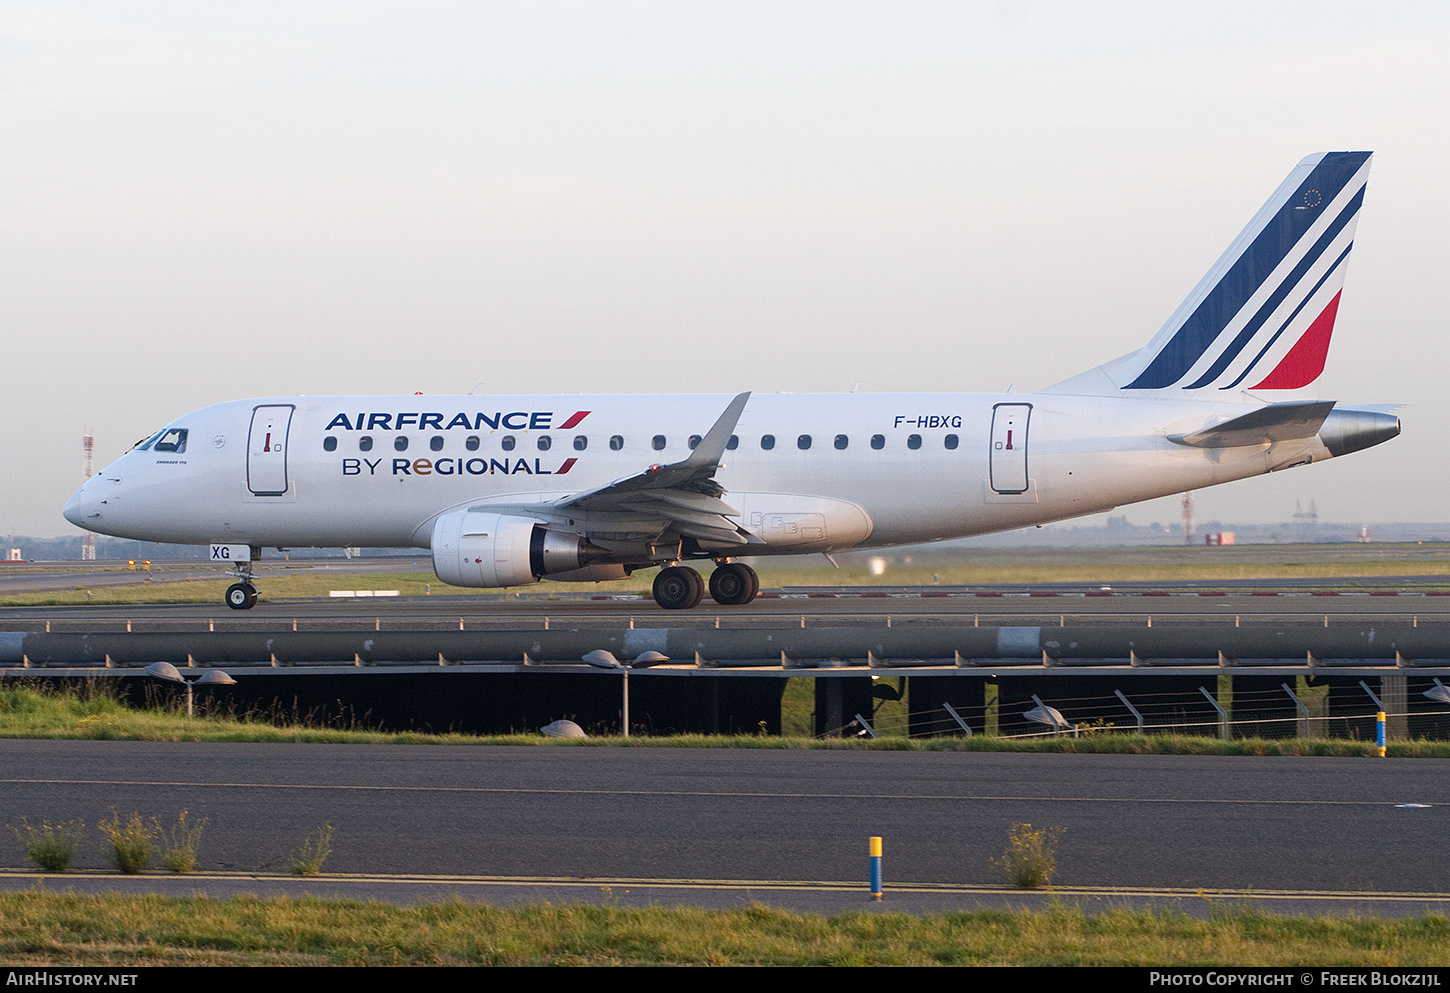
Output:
x=509 y=490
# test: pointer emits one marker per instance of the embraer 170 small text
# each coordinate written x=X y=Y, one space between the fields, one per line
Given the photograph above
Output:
x=509 y=490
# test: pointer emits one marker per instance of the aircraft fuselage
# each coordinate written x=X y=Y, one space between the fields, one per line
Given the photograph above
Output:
x=941 y=469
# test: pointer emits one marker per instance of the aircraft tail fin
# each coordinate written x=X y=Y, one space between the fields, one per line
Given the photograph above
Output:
x=1262 y=317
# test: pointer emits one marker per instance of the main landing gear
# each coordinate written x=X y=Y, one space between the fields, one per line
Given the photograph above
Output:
x=679 y=587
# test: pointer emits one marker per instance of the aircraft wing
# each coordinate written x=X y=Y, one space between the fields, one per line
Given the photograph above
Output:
x=1286 y=421
x=684 y=493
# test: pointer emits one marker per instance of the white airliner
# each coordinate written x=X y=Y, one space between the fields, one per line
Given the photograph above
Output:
x=508 y=490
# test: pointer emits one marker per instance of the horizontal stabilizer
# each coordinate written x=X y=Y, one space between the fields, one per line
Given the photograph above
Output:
x=1287 y=421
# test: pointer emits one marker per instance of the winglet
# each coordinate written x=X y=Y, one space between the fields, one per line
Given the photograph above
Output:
x=711 y=448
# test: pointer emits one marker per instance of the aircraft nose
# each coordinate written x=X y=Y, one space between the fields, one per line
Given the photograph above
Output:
x=83 y=508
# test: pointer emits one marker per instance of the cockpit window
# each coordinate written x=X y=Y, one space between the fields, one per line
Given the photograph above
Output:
x=145 y=443
x=171 y=440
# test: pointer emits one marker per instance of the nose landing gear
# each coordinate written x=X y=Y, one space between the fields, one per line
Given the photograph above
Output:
x=242 y=595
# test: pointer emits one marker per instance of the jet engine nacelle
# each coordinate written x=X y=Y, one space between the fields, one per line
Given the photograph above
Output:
x=483 y=549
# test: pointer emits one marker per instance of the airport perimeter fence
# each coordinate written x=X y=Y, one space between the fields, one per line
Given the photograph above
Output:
x=1258 y=714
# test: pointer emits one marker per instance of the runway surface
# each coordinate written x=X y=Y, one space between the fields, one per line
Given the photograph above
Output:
x=791 y=827
x=832 y=606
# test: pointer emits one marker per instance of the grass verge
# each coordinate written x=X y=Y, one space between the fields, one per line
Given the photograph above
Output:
x=68 y=929
x=93 y=713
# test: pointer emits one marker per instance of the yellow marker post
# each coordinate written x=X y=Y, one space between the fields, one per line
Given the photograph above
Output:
x=1379 y=732
x=876 y=868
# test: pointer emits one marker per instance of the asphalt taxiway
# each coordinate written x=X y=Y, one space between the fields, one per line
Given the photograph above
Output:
x=727 y=826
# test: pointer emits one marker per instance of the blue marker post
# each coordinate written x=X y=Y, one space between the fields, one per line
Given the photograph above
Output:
x=1379 y=732
x=876 y=868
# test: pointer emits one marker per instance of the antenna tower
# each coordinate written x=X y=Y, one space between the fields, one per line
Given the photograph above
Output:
x=88 y=543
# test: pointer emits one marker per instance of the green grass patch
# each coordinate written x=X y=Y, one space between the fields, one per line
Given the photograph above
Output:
x=69 y=929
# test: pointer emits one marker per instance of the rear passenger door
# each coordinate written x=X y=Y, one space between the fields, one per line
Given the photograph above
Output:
x=1009 y=447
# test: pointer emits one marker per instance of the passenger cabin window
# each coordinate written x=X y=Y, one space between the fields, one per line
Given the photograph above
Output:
x=436 y=443
x=950 y=441
x=508 y=442
x=172 y=440
x=878 y=441
x=329 y=444
x=580 y=443
x=841 y=442
x=658 y=442
x=471 y=443
x=400 y=443
x=733 y=443
x=616 y=443
x=767 y=441
x=803 y=442
x=365 y=443
x=694 y=441
x=913 y=441
x=544 y=442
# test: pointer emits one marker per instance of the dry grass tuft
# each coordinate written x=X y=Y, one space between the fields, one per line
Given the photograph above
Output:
x=52 y=847
x=1030 y=858
x=182 y=843
x=131 y=842
x=315 y=849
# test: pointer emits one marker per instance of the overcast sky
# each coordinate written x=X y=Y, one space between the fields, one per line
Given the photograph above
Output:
x=204 y=202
